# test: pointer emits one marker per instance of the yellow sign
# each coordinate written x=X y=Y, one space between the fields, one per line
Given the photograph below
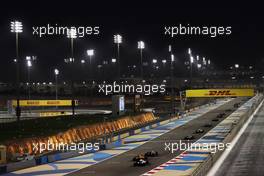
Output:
x=44 y=102
x=220 y=93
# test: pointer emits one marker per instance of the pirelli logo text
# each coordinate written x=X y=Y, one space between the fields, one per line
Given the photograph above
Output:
x=220 y=93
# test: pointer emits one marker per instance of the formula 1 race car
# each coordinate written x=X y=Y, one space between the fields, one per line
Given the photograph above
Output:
x=151 y=154
x=199 y=130
x=220 y=115
x=190 y=137
x=141 y=162
x=138 y=157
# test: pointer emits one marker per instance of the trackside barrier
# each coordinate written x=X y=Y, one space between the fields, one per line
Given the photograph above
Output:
x=112 y=142
x=20 y=165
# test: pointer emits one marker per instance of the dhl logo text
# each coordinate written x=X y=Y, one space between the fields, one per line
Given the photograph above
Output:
x=220 y=92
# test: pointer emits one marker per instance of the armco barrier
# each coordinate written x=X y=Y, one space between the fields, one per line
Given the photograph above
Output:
x=203 y=168
x=55 y=157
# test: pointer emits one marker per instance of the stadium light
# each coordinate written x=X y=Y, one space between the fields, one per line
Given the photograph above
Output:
x=90 y=53
x=141 y=46
x=191 y=59
x=17 y=27
x=56 y=72
x=191 y=63
x=29 y=65
x=170 y=50
x=113 y=60
x=118 y=41
x=189 y=51
x=72 y=34
x=204 y=61
x=172 y=58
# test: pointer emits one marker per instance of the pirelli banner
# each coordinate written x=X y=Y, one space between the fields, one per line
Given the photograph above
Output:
x=44 y=103
x=220 y=93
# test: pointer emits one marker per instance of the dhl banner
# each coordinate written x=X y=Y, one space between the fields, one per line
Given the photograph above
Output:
x=220 y=93
x=44 y=102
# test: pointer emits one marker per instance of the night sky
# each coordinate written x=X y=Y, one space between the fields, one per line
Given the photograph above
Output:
x=135 y=21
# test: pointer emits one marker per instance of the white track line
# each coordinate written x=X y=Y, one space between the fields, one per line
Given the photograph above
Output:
x=222 y=158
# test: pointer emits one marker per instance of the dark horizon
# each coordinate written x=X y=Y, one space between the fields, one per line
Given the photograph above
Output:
x=243 y=46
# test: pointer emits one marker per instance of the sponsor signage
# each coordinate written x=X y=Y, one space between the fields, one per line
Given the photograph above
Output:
x=220 y=93
x=44 y=102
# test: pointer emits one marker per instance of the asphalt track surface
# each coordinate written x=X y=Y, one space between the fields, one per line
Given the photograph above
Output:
x=247 y=156
x=123 y=165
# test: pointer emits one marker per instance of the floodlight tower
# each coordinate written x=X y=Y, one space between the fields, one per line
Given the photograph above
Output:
x=172 y=80
x=56 y=72
x=191 y=63
x=29 y=65
x=90 y=53
x=72 y=34
x=17 y=27
x=141 y=46
x=118 y=41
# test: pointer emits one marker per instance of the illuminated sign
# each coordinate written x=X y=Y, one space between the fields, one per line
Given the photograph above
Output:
x=44 y=102
x=121 y=103
x=220 y=93
x=118 y=104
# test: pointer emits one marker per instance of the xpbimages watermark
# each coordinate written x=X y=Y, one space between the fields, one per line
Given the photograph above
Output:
x=211 y=31
x=145 y=89
x=81 y=147
x=56 y=29
x=182 y=146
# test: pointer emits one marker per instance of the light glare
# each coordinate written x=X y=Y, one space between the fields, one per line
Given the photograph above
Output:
x=16 y=27
x=117 y=39
x=90 y=52
x=141 y=45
